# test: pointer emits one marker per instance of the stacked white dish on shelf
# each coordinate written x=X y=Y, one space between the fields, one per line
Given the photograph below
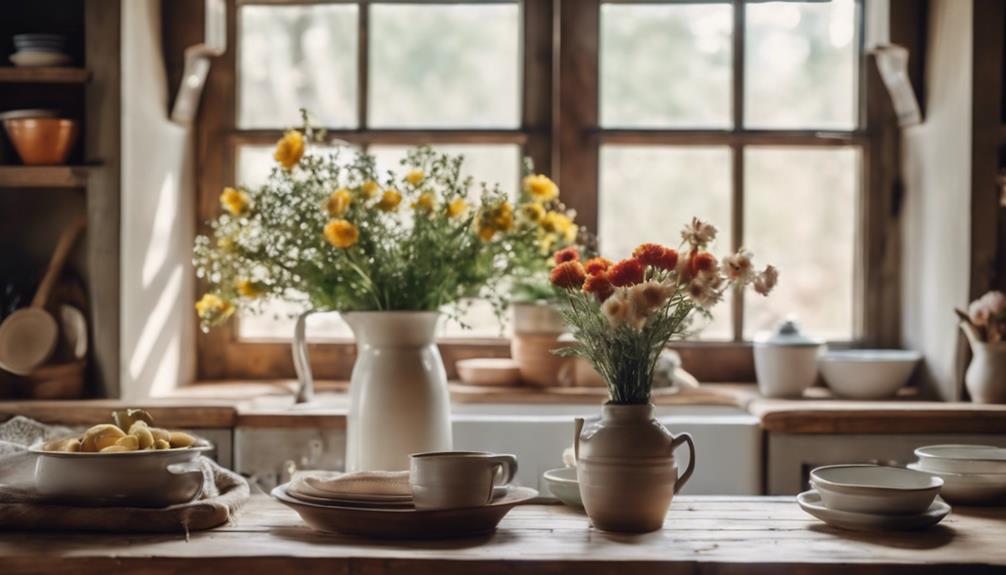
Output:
x=39 y=50
x=874 y=498
x=971 y=474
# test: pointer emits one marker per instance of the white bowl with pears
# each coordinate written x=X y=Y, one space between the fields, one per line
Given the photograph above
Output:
x=128 y=463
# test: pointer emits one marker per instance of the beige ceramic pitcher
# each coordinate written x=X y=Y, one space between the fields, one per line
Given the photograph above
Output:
x=626 y=468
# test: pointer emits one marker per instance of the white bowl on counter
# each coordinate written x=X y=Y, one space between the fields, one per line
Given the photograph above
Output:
x=875 y=489
x=563 y=483
x=867 y=373
x=964 y=459
x=149 y=478
x=970 y=488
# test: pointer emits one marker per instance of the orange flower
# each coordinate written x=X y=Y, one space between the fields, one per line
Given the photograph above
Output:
x=568 y=254
x=597 y=266
x=668 y=260
x=648 y=254
x=702 y=262
x=599 y=286
x=625 y=273
x=568 y=275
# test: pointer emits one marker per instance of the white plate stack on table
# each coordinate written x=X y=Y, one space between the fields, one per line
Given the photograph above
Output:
x=444 y=494
x=39 y=50
x=971 y=474
x=874 y=498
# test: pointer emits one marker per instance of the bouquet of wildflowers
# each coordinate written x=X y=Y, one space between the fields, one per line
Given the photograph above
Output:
x=623 y=314
x=987 y=315
x=338 y=236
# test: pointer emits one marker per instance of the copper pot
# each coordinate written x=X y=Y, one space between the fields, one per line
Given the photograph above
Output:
x=42 y=141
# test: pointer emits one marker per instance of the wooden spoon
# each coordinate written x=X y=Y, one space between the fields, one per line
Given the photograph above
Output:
x=29 y=335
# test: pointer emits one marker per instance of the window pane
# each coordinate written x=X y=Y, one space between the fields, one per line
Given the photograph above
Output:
x=801 y=65
x=294 y=57
x=444 y=66
x=800 y=215
x=666 y=65
x=649 y=193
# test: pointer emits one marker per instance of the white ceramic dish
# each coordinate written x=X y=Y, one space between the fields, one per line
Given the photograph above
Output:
x=810 y=501
x=875 y=489
x=152 y=478
x=970 y=488
x=38 y=59
x=962 y=458
x=489 y=371
x=785 y=361
x=563 y=484
x=867 y=373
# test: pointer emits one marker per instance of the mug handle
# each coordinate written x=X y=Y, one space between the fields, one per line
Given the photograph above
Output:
x=508 y=464
x=676 y=443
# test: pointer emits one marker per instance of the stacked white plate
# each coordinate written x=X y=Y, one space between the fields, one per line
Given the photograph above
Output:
x=971 y=474
x=38 y=50
x=874 y=498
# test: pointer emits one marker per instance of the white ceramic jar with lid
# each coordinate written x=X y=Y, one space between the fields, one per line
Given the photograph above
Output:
x=785 y=361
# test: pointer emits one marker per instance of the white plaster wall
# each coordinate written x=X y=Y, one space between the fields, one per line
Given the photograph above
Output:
x=937 y=209
x=158 y=328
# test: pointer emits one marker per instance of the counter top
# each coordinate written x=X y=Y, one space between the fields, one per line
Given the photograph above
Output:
x=721 y=535
x=250 y=404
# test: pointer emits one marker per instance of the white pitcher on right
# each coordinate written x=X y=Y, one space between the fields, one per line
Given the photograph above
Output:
x=984 y=324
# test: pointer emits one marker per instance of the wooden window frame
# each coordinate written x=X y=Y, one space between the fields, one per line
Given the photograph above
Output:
x=559 y=130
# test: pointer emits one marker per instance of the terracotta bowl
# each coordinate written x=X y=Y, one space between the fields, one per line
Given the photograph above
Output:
x=42 y=141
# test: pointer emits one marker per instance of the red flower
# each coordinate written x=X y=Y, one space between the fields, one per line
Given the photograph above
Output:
x=569 y=254
x=703 y=262
x=668 y=260
x=568 y=275
x=626 y=273
x=648 y=254
x=599 y=286
x=596 y=266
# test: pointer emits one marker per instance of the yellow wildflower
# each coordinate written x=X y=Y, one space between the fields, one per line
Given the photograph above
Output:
x=541 y=188
x=457 y=207
x=234 y=201
x=503 y=217
x=248 y=288
x=289 y=149
x=212 y=308
x=339 y=202
x=389 y=200
x=532 y=212
x=226 y=243
x=341 y=233
x=425 y=202
x=546 y=242
x=570 y=233
x=415 y=176
x=556 y=222
x=369 y=189
x=485 y=231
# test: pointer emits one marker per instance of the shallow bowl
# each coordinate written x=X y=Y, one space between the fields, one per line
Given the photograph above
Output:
x=962 y=458
x=867 y=373
x=970 y=488
x=489 y=371
x=563 y=484
x=151 y=478
x=875 y=489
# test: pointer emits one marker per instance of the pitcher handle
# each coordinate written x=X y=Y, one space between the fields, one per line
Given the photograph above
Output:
x=301 y=362
x=576 y=440
x=676 y=443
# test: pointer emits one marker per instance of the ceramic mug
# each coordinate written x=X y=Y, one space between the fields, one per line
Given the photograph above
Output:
x=457 y=479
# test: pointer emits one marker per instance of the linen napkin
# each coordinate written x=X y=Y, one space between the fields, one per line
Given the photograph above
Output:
x=352 y=485
x=22 y=509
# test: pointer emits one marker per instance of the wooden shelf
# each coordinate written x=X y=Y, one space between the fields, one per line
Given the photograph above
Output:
x=44 y=75
x=43 y=176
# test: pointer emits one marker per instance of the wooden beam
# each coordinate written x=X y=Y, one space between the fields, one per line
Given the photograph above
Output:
x=536 y=111
x=578 y=108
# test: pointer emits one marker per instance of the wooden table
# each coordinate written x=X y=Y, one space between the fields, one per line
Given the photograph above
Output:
x=714 y=535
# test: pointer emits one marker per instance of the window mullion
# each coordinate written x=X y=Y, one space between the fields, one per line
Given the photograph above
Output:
x=737 y=163
x=362 y=64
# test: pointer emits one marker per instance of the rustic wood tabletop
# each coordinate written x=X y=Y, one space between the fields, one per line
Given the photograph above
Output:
x=720 y=535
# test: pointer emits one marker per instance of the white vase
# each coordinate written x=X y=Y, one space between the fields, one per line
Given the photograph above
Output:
x=986 y=375
x=399 y=403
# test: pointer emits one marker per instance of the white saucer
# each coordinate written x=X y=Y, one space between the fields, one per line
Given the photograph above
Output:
x=970 y=488
x=810 y=501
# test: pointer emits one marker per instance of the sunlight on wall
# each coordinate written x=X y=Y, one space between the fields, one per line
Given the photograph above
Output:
x=158 y=327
